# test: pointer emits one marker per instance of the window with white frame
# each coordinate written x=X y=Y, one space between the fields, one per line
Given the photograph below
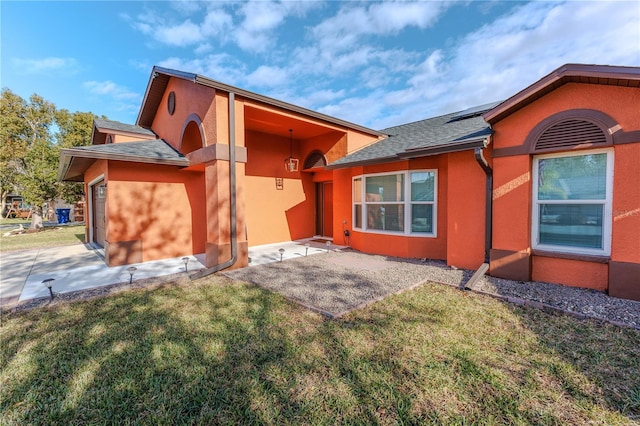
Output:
x=572 y=197
x=403 y=203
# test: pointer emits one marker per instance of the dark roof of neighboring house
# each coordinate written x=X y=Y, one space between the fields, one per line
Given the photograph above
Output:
x=160 y=79
x=569 y=73
x=453 y=132
x=75 y=161
x=101 y=127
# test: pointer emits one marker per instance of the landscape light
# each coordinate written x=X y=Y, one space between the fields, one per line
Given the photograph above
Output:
x=49 y=283
x=132 y=270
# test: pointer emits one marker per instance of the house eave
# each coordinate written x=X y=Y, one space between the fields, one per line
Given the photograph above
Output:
x=444 y=149
x=416 y=153
x=569 y=73
x=160 y=79
x=83 y=159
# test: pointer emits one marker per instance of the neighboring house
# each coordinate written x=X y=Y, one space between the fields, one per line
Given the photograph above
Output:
x=543 y=186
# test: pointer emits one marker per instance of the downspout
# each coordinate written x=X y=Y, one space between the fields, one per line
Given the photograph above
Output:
x=488 y=201
x=232 y=195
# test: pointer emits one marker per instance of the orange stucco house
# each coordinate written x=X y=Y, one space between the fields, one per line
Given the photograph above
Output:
x=543 y=186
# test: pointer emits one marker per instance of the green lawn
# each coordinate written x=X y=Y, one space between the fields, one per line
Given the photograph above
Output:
x=14 y=221
x=216 y=351
x=48 y=237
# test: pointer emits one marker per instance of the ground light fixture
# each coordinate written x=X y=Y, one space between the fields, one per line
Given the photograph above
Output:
x=132 y=270
x=306 y=249
x=185 y=260
x=281 y=253
x=49 y=284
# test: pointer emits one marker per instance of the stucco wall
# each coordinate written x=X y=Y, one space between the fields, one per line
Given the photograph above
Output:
x=512 y=195
x=272 y=214
x=465 y=211
x=160 y=207
x=190 y=99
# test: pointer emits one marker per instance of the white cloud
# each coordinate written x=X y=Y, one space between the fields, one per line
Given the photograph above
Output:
x=183 y=34
x=217 y=23
x=353 y=65
x=222 y=67
x=345 y=30
x=514 y=51
x=166 y=30
x=268 y=76
x=256 y=32
x=111 y=89
x=202 y=49
x=46 y=65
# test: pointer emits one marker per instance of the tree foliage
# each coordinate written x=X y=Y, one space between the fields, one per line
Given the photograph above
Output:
x=32 y=132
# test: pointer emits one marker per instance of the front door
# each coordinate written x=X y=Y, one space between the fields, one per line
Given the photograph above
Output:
x=324 y=209
x=98 y=197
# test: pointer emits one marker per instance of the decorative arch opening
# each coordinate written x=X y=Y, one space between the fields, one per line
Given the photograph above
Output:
x=315 y=159
x=574 y=129
x=192 y=135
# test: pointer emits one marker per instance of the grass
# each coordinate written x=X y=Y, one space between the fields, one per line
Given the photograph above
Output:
x=14 y=221
x=48 y=237
x=216 y=351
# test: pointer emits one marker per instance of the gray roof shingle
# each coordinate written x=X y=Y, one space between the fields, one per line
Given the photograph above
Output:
x=147 y=151
x=446 y=133
x=122 y=127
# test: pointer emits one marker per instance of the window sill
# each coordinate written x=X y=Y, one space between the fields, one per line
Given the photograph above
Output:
x=395 y=233
x=572 y=256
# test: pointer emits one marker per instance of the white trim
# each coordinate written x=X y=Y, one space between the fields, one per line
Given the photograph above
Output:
x=90 y=186
x=406 y=203
x=607 y=205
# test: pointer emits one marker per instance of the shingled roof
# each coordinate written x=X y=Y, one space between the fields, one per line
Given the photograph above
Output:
x=453 y=132
x=75 y=161
x=122 y=127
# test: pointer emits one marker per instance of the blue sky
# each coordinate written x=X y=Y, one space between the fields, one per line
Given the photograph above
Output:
x=375 y=64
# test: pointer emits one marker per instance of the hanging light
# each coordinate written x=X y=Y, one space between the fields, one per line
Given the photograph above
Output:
x=291 y=164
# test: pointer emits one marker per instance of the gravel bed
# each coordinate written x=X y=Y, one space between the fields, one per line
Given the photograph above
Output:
x=340 y=281
x=590 y=303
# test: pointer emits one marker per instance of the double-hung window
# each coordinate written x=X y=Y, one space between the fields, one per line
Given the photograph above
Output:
x=572 y=202
x=397 y=203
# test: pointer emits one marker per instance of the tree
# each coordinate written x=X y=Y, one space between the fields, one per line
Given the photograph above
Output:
x=26 y=144
x=30 y=152
x=74 y=129
x=13 y=141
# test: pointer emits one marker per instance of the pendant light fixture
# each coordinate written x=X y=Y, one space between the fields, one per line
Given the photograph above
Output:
x=291 y=164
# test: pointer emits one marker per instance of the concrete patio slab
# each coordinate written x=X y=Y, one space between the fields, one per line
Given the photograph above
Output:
x=82 y=267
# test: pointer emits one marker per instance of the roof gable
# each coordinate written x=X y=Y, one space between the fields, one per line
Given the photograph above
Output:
x=103 y=127
x=569 y=73
x=160 y=80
